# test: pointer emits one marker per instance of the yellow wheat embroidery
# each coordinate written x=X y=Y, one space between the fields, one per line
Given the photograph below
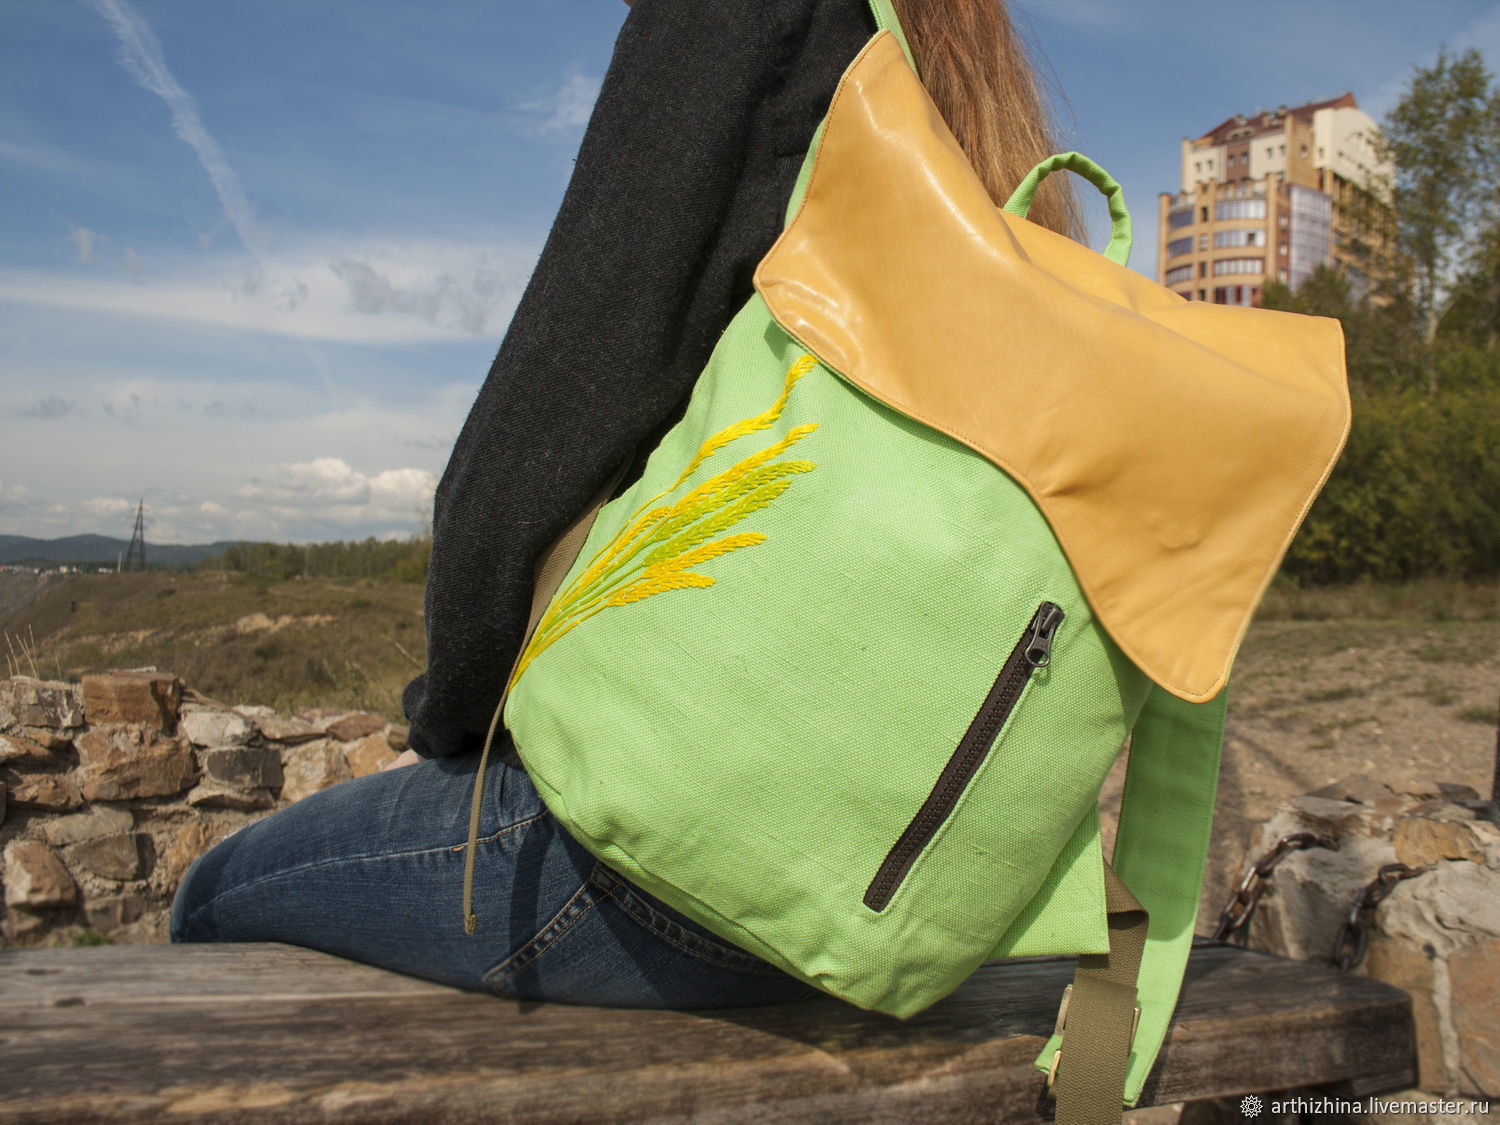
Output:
x=663 y=540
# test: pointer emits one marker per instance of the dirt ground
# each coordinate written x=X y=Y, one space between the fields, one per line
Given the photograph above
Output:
x=1312 y=702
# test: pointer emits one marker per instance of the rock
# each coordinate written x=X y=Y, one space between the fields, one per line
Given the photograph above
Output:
x=1362 y=789
x=217 y=795
x=9 y=724
x=3 y=799
x=355 y=725
x=398 y=737
x=50 y=791
x=1463 y=898
x=42 y=703
x=287 y=730
x=48 y=738
x=369 y=755
x=35 y=879
x=110 y=912
x=1474 y=975
x=151 y=699
x=18 y=751
x=245 y=767
x=96 y=821
x=1421 y=841
x=312 y=766
x=209 y=726
x=110 y=857
x=121 y=763
x=1405 y=965
x=190 y=841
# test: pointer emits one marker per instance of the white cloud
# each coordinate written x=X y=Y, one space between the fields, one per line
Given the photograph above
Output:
x=107 y=506
x=83 y=238
x=329 y=492
x=132 y=263
x=142 y=57
x=49 y=408
x=220 y=455
x=366 y=292
x=566 y=107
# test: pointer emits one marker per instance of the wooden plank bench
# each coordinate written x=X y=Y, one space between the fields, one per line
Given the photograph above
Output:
x=257 y=1033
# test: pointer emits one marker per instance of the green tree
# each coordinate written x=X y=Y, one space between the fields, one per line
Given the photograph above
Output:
x=1444 y=138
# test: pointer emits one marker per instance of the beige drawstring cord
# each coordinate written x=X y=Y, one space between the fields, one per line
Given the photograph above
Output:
x=471 y=920
x=551 y=569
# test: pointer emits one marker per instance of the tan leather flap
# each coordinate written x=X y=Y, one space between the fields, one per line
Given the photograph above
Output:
x=1173 y=446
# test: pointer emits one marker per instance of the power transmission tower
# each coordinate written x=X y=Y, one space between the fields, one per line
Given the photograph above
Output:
x=138 y=537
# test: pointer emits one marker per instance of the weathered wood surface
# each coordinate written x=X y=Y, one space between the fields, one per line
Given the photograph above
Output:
x=260 y=1033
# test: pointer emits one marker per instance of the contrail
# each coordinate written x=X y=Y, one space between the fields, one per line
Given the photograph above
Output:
x=141 y=55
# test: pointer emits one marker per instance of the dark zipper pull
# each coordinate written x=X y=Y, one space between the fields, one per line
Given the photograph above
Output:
x=1040 y=633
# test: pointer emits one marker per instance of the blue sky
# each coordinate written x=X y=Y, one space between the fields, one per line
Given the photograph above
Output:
x=255 y=258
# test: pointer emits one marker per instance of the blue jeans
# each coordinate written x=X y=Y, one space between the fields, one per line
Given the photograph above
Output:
x=372 y=869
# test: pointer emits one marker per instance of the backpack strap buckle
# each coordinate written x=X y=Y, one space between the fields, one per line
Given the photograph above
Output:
x=1061 y=1025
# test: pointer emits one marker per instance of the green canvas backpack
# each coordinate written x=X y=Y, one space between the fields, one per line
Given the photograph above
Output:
x=957 y=507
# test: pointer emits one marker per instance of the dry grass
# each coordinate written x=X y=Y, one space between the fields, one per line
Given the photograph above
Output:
x=236 y=638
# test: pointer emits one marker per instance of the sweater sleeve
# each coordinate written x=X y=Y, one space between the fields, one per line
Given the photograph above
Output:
x=677 y=192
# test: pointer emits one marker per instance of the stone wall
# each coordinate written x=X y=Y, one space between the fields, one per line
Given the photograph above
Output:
x=1436 y=935
x=109 y=789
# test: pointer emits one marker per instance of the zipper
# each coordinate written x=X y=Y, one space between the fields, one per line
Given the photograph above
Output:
x=1032 y=651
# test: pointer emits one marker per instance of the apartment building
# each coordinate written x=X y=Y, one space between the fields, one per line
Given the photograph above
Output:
x=1271 y=197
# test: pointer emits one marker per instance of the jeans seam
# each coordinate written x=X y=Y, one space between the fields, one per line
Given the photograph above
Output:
x=736 y=960
x=316 y=864
x=545 y=938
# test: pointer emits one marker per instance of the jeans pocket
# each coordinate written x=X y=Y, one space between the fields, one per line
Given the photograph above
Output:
x=613 y=945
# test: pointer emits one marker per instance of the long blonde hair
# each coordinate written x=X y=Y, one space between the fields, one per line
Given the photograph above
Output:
x=978 y=73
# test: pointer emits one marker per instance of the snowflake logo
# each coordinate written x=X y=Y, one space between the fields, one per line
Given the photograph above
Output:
x=1250 y=1105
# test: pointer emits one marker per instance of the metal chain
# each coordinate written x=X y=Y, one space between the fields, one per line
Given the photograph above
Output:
x=1236 y=915
x=1349 y=945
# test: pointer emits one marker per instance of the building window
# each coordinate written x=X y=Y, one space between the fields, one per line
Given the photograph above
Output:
x=1283 y=150
x=1309 y=241
x=1180 y=246
x=1281 y=221
x=1203 y=242
x=1242 y=237
x=1240 y=209
x=1203 y=294
x=1281 y=276
x=1179 y=275
x=1239 y=265
x=1270 y=151
x=1230 y=161
x=1234 y=295
x=1282 y=250
x=1205 y=214
x=1181 y=218
x=1303 y=153
x=1198 y=167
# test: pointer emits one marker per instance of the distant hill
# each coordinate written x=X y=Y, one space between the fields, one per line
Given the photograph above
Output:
x=100 y=550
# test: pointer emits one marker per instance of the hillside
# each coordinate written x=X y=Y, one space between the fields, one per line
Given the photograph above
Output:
x=236 y=638
x=101 y=550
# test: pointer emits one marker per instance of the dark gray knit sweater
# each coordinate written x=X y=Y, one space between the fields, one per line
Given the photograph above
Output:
x=680 y=187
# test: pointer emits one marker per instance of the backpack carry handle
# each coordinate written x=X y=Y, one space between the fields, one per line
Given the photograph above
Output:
x=1118 y=250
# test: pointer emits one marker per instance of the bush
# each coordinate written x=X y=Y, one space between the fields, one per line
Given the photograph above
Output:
x=1417 y=490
